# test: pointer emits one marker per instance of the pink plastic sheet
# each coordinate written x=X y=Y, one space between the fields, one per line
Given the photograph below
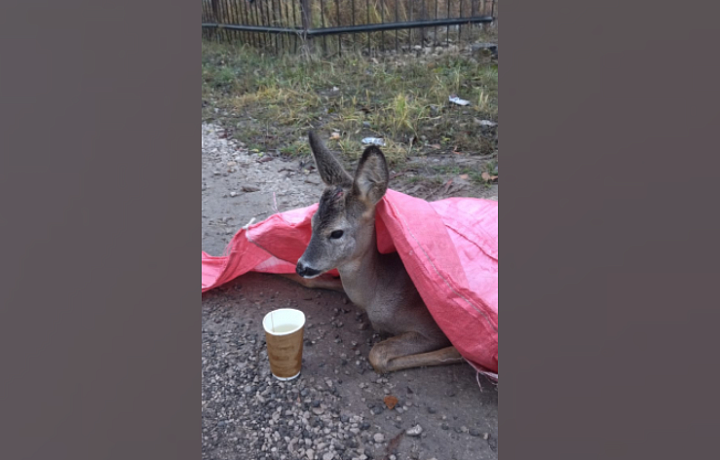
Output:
x=449 y=247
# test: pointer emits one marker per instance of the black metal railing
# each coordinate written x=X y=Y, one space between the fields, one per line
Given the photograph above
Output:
x=337 y=24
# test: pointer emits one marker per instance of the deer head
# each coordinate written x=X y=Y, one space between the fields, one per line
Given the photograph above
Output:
x=343 y=228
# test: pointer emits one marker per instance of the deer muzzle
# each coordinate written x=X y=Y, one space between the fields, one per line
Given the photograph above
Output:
x=305 y=271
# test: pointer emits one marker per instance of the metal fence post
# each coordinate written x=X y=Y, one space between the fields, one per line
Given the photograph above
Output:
x=306 y=14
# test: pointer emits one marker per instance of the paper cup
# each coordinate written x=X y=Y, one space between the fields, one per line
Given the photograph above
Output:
x=284 y=337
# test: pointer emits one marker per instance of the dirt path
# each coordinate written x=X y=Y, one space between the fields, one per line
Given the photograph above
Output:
x=335 y=410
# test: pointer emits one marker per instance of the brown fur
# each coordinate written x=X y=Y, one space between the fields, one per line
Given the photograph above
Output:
x=377 y=283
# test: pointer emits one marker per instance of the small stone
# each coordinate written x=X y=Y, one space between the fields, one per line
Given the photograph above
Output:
x=310 y=454
x=414 y=431
x=378 y=437
x=474 y=432
x=431 y=410
x=233 y=194
x=486 y=436
x=328 y=456
x=444 y=426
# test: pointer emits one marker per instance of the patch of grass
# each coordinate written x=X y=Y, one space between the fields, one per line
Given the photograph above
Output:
x=273 y=101
x=298 y=148
x=350 y=147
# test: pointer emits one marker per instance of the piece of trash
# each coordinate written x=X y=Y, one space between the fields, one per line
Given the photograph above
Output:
x=487 y=177
x=456 y=100
x=390 y=402
x=485 y=123
x=335 y=136
x=464 y=176
x=374 y=141
x=335 y=88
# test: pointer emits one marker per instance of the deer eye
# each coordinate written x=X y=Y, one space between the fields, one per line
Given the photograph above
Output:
x=336 y=234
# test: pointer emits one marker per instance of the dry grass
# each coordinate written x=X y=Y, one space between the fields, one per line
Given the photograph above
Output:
x=271 y=102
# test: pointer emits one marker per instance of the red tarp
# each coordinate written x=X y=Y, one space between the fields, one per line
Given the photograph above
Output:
x=449 y=247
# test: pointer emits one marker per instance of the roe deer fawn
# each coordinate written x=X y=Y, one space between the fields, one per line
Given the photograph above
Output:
x=343 y=237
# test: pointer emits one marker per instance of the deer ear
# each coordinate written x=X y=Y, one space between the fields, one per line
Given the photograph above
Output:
x=330 y=169
x=371 y=177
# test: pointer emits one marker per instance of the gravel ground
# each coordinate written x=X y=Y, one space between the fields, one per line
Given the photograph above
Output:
x=339 y=408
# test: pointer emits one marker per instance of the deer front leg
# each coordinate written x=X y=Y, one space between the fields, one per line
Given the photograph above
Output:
x=410 y=350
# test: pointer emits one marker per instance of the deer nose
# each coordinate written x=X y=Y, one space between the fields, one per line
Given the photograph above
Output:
x=305 y=271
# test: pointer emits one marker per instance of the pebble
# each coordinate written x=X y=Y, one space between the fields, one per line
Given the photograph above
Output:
x=414 y=431
x=310 y=454
x=378 y=437
x=328 y=456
